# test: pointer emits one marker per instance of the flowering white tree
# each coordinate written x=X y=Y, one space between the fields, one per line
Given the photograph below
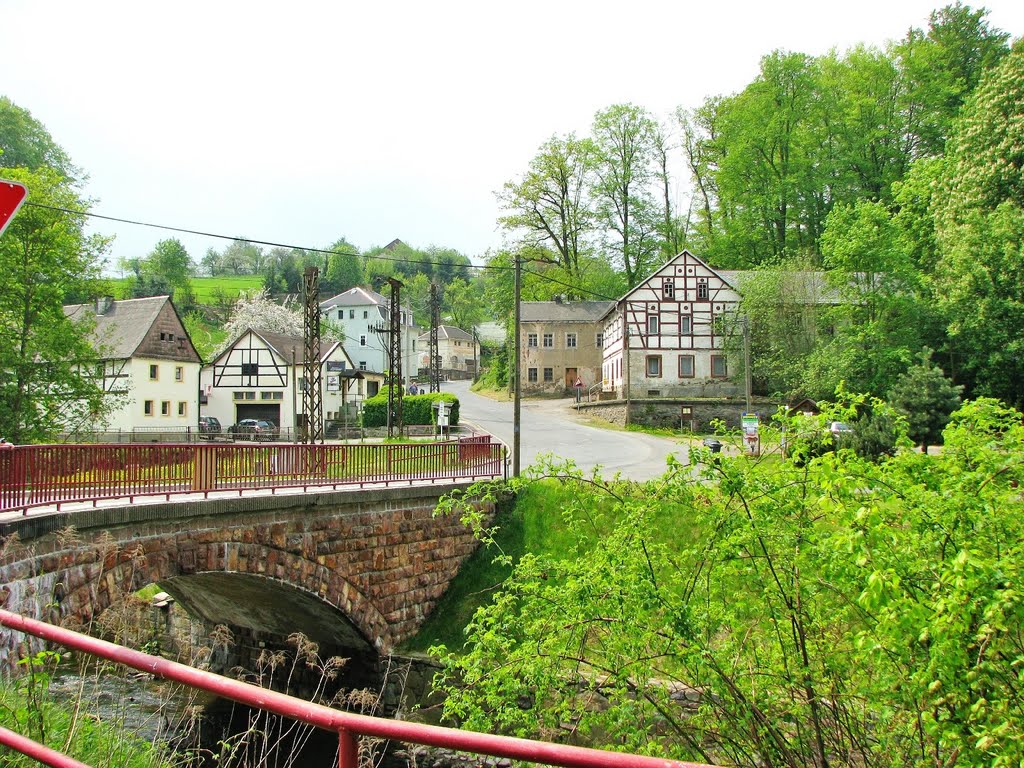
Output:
x=257 y=311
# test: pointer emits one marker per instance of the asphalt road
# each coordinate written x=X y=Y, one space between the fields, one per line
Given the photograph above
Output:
x=552 y=426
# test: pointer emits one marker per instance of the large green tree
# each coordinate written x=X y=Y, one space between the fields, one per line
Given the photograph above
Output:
x=548 y=209
x=45 y=360
x=979 y=217
x=25 y=143
x=625 y=141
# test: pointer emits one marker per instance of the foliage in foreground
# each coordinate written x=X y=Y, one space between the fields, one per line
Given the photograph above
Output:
x=845 y=612
x=27 y=708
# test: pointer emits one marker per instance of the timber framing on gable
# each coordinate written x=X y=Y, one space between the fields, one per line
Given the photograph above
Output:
x=250 y=362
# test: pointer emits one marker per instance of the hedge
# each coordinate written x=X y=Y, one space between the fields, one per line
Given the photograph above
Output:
x=416 y=409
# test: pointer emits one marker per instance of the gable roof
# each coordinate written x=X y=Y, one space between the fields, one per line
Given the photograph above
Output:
x=449 y=332
x=121 y=326
x=358 y=296
x=563 y=311
x=285 y=345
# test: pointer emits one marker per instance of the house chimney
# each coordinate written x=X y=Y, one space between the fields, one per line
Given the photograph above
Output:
x=104 y=304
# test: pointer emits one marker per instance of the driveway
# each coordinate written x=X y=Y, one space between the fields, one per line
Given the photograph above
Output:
x=553 y=426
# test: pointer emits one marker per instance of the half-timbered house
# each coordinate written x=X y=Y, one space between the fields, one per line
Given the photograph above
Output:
x=147 y=363
x=261 y=375
x=665 y=338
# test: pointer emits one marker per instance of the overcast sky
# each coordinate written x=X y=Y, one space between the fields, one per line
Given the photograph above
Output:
x=302 y=122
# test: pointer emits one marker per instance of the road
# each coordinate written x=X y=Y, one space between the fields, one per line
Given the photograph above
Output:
x=552 y=426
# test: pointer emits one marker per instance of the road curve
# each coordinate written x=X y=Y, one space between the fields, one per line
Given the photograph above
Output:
x=552 y=426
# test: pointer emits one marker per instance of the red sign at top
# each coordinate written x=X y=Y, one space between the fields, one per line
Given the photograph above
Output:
x=12 y=195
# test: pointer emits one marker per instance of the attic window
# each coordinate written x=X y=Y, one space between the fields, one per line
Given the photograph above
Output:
x=702 y=291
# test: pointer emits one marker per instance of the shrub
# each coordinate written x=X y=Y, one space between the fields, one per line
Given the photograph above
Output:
x=416 y=409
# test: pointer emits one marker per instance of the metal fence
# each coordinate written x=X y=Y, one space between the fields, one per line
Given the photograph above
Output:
x=52 y=475
x=348 y=726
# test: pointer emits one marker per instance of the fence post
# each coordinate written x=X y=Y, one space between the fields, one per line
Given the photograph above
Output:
x=348 y=749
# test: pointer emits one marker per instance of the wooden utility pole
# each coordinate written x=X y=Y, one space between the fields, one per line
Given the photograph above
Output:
x=518 y=392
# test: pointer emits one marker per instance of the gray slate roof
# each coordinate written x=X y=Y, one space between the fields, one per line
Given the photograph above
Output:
x=564 y=311
x=354 y=297
x=449 y=332
x=121 y=329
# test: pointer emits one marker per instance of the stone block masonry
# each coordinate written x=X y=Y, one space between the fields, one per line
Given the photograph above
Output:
x=347 y=567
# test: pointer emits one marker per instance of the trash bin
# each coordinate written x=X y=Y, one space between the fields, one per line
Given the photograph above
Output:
x=713 y=444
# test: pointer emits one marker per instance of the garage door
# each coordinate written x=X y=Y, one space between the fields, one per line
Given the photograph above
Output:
x=266 y=412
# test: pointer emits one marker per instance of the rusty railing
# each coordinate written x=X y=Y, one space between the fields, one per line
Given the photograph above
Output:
x=34 y=476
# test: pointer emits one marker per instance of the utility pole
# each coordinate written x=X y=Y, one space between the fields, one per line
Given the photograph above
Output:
x=747 y=373
x=312 y=398
x=393 y=331
x=518 y=392
x=435 y=359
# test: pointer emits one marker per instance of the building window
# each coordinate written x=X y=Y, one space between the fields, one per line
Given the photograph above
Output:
x=165 y=408
x=179 y=373
x=652 y=324
x=362 y=365
x=250 y=395
x=531 y=375
x=685 y=324
x=686 y=369
x=570 y=341
x=362 y=341
x=654 y=366
x=719 y=369
x=366 y=314
x=147 y=407
x=351 y=314
x=549 y=340
x=702 y=291
x=341 y=314
x=531 y=340
x=669 y=289
x=154 y=372
x=599 y=343
x=182 y=406
x=549 y=374
x=250 y=369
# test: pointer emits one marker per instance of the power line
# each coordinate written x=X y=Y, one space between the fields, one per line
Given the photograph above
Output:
x=272 y=244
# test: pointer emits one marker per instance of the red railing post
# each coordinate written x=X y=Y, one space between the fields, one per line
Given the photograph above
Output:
x=348 y=749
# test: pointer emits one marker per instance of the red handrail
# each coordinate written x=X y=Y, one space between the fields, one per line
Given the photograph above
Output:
x=347 y=725
x=52 y=475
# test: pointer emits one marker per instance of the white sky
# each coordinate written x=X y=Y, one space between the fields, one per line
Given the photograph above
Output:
x=300 y=122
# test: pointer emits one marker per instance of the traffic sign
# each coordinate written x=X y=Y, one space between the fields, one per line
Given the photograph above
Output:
x=12 y=195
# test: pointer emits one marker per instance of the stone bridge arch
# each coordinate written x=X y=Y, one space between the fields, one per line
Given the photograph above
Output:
x=376 y=559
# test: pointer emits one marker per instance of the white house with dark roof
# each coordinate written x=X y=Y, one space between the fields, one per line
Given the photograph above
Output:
x=665 y=337
x=147 y=361
x=561 y=342
x=362 y=313
x=458 y=350
x=261 y=375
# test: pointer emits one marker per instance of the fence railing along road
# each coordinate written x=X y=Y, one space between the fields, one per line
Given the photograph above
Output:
x=33 y=476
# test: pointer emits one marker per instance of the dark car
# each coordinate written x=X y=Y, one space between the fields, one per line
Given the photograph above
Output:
x=254 y=429
x=208 y=427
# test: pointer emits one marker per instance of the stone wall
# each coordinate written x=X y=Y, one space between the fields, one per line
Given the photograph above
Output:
x=362 y=567
x=668 y=412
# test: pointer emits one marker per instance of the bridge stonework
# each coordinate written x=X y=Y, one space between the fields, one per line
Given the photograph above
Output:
x=379 y=558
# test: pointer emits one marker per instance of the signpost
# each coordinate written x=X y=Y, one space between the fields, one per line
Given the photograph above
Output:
x=12 y=195
x=751 y=432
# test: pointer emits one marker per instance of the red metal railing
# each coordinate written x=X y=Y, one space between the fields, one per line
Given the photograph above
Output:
x=349 y=727
x=48 y=475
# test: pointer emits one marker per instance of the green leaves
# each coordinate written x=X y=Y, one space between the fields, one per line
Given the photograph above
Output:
x=845 y=612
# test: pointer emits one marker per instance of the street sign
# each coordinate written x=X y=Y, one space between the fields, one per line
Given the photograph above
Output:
x=12 y=195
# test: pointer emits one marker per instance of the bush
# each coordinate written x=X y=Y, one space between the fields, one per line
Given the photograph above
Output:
x=416 y=409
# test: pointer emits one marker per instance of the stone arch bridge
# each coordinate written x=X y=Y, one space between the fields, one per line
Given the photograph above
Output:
x=357 y=569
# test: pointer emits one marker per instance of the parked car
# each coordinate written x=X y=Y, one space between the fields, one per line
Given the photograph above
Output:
x=254 y=429
x=208 y=427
